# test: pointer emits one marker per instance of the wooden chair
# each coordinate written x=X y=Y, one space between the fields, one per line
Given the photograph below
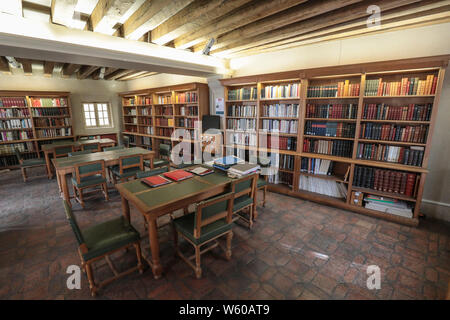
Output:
x=89 y=175
x=77 y=153
x=262 y=182
x=62 y=151
x=113 y=148
x=128 y=167
x=244 y=190
x=93 y=147
x=212 y=220
x=164 y=157
x=29 y=163
x=102 y=240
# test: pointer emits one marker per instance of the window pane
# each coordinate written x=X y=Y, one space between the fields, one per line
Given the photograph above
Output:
x=91 y=107
x=86 y=107
x=106 y=122
x=101 y=122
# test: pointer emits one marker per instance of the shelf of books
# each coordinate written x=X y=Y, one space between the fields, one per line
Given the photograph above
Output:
x=151 y=116
x=29 y=119
x=354 y=140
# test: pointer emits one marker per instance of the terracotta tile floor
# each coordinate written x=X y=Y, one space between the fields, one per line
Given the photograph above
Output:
x=297 y=250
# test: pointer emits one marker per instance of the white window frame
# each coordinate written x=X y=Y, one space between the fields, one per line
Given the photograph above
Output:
x=96 y=116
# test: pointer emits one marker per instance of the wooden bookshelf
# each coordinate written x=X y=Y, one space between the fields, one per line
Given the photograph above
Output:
x=39 y=116
x=151 y=115
x=401 y=95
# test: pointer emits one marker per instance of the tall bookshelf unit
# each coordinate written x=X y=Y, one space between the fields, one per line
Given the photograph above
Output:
x=151 y=115
x=29 y=119
x=377 y=136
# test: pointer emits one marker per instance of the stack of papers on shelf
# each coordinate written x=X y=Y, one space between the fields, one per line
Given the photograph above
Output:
x=243 y=169
x=388 y=205
x=155 y=181
x=201 y=171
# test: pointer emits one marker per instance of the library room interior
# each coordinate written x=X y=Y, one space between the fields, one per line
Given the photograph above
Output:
x=224 y=150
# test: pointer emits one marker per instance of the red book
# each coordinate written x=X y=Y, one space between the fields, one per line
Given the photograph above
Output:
x=155 y=181
x=178 y=175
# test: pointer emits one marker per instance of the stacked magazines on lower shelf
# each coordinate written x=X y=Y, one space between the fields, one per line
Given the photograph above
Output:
x=389 y=205
x=323 y=186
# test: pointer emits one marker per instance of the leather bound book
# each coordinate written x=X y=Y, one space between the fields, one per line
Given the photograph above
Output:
x=178 y=175
x=385 y=180
x=403 y=182
x=410 y=182
x=397 y=181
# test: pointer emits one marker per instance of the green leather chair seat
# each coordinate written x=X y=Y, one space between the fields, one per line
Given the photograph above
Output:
x=185 y=225
x=261 y=183
x=126 y=172
x=33 y=162
x=88 y=181
x=156 y=162
x=108 y=236
x=241 y=202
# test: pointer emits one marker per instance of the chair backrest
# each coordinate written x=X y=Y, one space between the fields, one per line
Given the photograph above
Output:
x=164 y=150
x=18 y=155
x=113 y=148
x=94 y=147
x=211 y=210
x=77 y=153
x=131 y=161
x=245 y=186
x=62 y=151
x=126 y=141
x=89 y=169
x=150 y=173
x=73 y=223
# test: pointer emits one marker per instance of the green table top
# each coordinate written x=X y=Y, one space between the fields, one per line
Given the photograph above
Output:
x=52 y=145
x=152 y=198
x=69 y=162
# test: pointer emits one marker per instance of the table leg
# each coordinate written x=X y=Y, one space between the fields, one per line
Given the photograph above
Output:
x=125 y=209
x=151 y=163
x=58 y=180
x=49 y=165
x=154 y=247
x=65 y=188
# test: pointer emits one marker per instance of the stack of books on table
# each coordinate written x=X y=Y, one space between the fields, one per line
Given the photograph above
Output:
x=226 y=162
x=243 y=169
x=388 y=205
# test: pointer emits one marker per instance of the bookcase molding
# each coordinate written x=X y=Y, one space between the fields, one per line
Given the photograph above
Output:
x=55 y=121
x=394 y=71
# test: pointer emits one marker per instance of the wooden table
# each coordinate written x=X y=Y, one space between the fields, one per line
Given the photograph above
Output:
x=159 y=201
x=66 y=165
x=50 y=148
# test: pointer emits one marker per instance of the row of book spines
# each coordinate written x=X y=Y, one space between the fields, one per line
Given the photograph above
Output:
x=147 y=130
x=286 y=126
x=137 y=101
x=385 y=180
x=284 y=143
x=51 y=122
x=164 y=112
x=341 y=89
x=281 y=178
x=189 y=111
x=8 y=149
x=391 y=132
x=164 y=122
x=316 y=166
x=166 y=132
x=241 y=138
x=405 y=87
x=186 y=97
x=188 y=123
x=241 y=111
x=164 y=99
x=44 y=133
x=286 y=162
x=243 y=94
x=16 y=124
x=146 y=121
x=16 y=135
x=330 y=129
x=280 y=110
x=39 y=112
x=11 y=113
x=13 y=102
x=332 y=111
x=48 y=102
x=410 y=112
x=241 y=124
x=281 y=91
x=402 y=155
x=336 y=148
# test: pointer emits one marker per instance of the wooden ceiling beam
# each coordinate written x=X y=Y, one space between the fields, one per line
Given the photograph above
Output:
x=69 y=69
x=391 y=20
x=298 y=13
x=27 y=66
x=4 y=65
x=303 y=27
x=146 y=74
x=131 y=75
x=109 y=70
x=192 y=17
x=150 y=15
x=62 y=11
x=48 y=68
x=117 y=74
x=107 y=13
x=244 y=15
x=85 y=71
x=36 y=7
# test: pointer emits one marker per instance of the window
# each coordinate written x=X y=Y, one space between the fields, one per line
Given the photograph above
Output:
x=97 y=115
